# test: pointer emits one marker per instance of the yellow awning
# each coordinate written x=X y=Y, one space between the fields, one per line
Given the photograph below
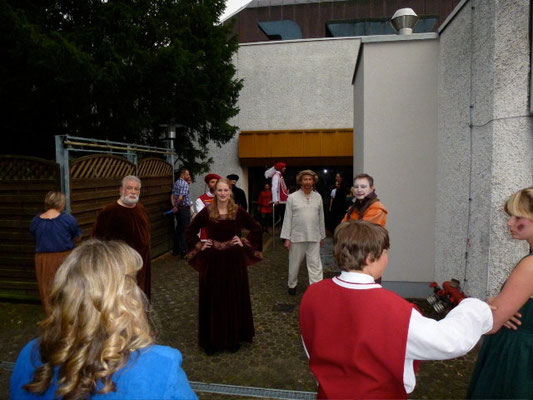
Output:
x=320 y=146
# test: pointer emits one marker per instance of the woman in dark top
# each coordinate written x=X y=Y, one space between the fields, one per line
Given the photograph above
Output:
x=225 y=310
x=339 y=202
x=504 y=368
x=55 y=233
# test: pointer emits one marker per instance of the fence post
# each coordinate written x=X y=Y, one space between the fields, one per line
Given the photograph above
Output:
x=64 y=169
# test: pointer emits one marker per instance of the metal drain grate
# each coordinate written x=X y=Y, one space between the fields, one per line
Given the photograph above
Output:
x=247 y=391
x=230 y=390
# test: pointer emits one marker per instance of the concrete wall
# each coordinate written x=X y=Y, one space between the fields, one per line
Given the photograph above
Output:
x=396 y=80
x=304 y=84
x=485 y=146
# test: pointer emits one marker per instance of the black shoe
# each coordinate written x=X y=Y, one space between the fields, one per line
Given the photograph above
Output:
x=292 y=291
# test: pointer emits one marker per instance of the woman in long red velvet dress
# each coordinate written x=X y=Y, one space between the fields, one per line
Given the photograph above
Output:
x=225 y=312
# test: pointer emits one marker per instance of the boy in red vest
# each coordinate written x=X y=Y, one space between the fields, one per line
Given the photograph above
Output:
x=363 y=340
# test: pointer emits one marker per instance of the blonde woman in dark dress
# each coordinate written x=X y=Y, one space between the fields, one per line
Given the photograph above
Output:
x=504 y=368
x=225 y=310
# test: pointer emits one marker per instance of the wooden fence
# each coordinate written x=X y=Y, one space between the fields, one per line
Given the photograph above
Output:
x=94 y=183
x=24 y=181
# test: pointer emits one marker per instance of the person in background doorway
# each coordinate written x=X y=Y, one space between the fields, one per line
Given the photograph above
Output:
x=303 y=229
x=238 y=194
x=338 y=205
x=280 y=193
x=366 y=206
x=264 y=206
x=55 y=234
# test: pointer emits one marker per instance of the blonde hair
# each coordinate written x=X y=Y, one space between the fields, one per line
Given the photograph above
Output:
x=354 y=241
x=305 y=172
x=520 y=204
x=55 y=200
x=98 y=316
x=213 y=207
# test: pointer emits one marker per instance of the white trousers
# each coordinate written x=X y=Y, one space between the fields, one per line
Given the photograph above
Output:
x=311 y=252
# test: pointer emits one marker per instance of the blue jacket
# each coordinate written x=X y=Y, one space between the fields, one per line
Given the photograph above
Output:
x=151 y=373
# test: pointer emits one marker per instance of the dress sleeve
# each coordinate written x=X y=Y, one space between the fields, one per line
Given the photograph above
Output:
x=178 y=387
x=100 y=226
x=191 y=233
x=255 y=234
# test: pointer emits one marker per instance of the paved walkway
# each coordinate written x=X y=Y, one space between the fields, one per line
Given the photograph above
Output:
x=275 y=360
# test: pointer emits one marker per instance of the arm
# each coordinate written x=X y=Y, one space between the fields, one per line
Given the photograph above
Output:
x=450 y=337
x=286 y=229
x=275 y=188
x=322 y=225
x=199 y=205
x=178 y=386
x=255 y=234
x=191 y=232
x=516 y=291
x=375 y=215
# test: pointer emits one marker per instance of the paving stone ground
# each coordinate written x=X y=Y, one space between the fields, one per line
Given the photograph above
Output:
x=276 y=358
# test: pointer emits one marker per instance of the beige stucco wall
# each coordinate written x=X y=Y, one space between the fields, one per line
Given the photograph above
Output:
x=396 y=129
x=485 y=150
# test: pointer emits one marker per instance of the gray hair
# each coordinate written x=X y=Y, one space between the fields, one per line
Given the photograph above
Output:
x=130 y=178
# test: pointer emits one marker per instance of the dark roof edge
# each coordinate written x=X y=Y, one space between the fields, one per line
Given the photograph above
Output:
x=452 y=15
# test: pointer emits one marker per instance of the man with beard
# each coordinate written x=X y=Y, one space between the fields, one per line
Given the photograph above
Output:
x=205 y=199
x=304 y=230
x=126 y=219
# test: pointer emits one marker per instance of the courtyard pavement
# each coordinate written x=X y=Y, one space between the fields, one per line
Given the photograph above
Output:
x=275 y=360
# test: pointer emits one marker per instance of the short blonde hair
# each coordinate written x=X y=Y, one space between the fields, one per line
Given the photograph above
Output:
x=354 y=241
x=98 y=316
x=520 y=204
x=55 y=200
x=305 y=172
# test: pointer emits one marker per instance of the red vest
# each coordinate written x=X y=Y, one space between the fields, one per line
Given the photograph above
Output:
x=283 y=192
x=356 y=340
x=206 y=199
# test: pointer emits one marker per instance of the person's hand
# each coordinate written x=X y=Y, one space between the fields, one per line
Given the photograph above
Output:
x=322 y=243
x=276 y=203
x=207 y=244
x=236 y=241
x=174 y=209
x=287 y=244
x=514 y=322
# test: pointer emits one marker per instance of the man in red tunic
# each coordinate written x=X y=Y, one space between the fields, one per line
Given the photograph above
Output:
x=126 y=219
x=205 y=199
